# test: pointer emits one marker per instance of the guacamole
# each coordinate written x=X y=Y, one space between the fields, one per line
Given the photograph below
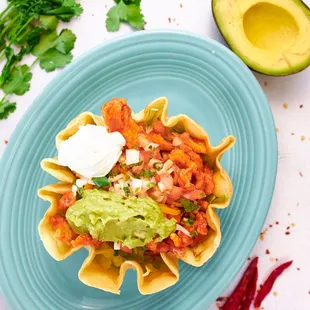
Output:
x=108 y=216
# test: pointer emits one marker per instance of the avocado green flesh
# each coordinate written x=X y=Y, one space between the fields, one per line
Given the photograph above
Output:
x=271 y=37
x=108 y=216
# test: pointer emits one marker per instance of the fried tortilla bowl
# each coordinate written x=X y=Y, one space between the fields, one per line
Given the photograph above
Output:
x=99 y=270
x=102 y=269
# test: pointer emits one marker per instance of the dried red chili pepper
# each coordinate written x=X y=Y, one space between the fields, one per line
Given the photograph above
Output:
x=241 y=291
x=251 y=290
x=268 y=284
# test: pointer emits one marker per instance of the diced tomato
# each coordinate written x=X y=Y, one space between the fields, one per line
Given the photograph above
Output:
x=175 y=193
x=158 y=127
x=201 y=224
x=165 y=156
x=209 y=180
x=145 y=156
x=167 y=180
x=85 y=240
x=203 y=205
x=199 y=239
x=158 y=247
x=181 y=240
x=66 y=201
x=137 y=169
x=63 y=231
x=177 y=217
x=194 y=194
x=125 y=249
x=157 y=178
x=156 y=154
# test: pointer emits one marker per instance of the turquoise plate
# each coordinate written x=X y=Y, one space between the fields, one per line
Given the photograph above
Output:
x=202 y=79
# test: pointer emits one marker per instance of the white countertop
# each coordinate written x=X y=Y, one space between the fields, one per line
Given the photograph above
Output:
x=291 y=203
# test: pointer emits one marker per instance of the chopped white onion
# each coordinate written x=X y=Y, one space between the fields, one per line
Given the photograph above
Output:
x=154 y=161
x=121 y=183
x=132 y=156
x=170 y=170
x=184 y=231
x=117 y=246
x=161 y=186
x=116 y=178
x=176 y=141
x=168 y=164
x=151 y=146
x=81 y=182
x=117 y=188
x=136 y=185
x=74 y=189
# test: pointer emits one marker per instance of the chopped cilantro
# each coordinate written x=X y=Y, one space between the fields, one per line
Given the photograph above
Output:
x=188 y=205
x=150 y=184
x=189 y=221
x=101 y=181
x=137 y=189
x=158 y=166
x=126 y=190
x=133 y=165
x=147 y=173
x=194 y=233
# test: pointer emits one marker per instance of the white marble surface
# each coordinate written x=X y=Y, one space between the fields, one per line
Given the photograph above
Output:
x=291 y=203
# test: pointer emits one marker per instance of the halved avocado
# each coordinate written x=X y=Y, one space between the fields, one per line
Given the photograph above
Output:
x=270 y=36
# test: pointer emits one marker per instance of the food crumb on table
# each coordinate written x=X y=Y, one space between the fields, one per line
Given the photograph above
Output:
x=267 y=252
x=292 y=134
x=262 y=234
x=277 y=223
x=300 y=174
x=287 y=232
x=303 y=138
x=275 y=293
x=285 y=105
x=301 y=106
x=293 y=224
x=181 y=5
x=277 y=129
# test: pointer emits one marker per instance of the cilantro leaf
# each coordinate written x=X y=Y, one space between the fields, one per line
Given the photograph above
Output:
x=64 y=42
x=147 y=173
x=115 y=15
x=135 y=17
x=101 y=181
x=125 y=11
x=53 y=51
x=67 y=10
x=53 y=59
x=6 y=108
x=19 y=81
x=126 y=190
x=49 y=22
x=188 y=205
x=135 y=2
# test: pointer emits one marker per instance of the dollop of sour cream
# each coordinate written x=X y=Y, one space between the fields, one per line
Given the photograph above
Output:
x=92 y=151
